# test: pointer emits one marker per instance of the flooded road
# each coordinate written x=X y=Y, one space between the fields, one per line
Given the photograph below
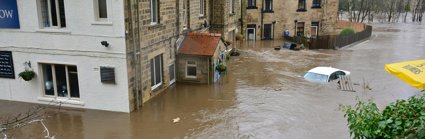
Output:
x=263 y=95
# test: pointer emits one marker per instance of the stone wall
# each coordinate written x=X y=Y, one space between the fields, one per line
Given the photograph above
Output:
x=285 y=16
x=144 y=41
x=202 y=64
x=223 y=21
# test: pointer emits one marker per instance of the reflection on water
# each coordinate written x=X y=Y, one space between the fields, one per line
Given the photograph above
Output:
x=263 y=96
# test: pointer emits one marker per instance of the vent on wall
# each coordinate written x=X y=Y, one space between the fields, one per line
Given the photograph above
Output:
x=107 y=75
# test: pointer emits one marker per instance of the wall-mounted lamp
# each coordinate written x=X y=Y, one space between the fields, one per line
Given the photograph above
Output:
x=27 y=65
x=104 y=43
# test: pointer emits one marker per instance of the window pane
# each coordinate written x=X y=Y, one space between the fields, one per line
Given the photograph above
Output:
x=158 y=71
x=45 y=13
x=48 y=80
x=103 y=12
x=152 y=73
x=191 y=71
x=73 y=81
x=172 y=72
x=268 y=5
x=154 y=10
x=53 y=12
x=62 y=13
x=61 y=82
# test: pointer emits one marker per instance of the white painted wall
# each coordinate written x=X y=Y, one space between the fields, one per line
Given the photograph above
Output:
x=77 y=44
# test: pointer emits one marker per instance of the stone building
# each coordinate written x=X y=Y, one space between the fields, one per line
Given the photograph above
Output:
x=226 y=18
x=268 y=19
x=198 y=58
x=115 y=57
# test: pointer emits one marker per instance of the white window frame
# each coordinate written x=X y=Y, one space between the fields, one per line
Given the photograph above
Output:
x=55 y=89
x=201 y=7
x=97 y=11
x=153 y=87
x=172 y=81
x=317 y=30
x=185 y=14
x=188 y=64
x=49 y=12
x=231 y=6
x=154 y=19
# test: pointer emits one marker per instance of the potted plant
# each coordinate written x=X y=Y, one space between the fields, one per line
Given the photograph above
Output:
x=27 y=75
x=221 y=67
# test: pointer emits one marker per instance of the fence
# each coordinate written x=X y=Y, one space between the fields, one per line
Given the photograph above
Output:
x=338 y=41
x=345 y=40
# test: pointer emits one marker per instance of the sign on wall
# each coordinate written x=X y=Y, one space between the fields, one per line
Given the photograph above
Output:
x=6 y=65
x=9 y=17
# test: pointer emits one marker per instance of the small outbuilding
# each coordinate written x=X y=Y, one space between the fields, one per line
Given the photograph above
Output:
x=198 y=57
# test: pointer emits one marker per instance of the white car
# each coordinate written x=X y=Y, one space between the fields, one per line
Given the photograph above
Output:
x=325 y=74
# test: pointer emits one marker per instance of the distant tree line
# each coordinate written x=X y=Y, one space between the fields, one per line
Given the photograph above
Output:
x=382 y=10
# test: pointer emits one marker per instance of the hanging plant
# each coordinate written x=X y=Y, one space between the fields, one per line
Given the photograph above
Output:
x=27 y=75
x=221 y=67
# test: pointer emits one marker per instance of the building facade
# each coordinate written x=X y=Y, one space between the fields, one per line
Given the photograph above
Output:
x=268 y=19
x=68 y=51
x=226 y=18
x=115 y=57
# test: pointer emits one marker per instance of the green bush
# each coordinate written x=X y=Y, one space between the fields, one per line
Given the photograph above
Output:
x=402 y=119
x=347 y=31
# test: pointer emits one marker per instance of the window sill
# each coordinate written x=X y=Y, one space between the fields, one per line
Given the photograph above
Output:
x=231 y=14
x=191 y=78
x=268 y=11
x=154 y=25
x=156 y=87
x=252 y=7
x=301 y=10
x=316 y=7
x=53 y=30
x=104 y=23
x=202 y=17
x=61 y=100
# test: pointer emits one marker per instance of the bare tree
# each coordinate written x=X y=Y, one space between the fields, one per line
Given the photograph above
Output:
x=34 y=115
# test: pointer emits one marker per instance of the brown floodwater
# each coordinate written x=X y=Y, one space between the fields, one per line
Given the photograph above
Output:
x=262 y=96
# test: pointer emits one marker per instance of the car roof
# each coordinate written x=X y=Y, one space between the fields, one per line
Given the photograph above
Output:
x=324 y=70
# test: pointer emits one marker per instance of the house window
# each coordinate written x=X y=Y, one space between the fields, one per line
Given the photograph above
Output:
x=314 y=29
x=60 y=80
x=316 y=4
x=154 y=11
x=268 y=31
x=300 y=29
x=202 y=7
x=301 y=5
x=232 y=7
x=268 y=6
x=101 y=10
x=251 y=4
x=191 y=69
x=52 y=13
x=186 y=14
x=156 y=71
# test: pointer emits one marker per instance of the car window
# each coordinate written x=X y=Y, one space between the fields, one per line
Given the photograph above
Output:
x=340 y=73
x=316 y=77
x=333 y=76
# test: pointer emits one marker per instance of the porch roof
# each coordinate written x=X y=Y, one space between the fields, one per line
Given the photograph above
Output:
x=200 y=44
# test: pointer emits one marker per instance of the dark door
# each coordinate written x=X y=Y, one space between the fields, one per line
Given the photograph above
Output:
x=267 y=31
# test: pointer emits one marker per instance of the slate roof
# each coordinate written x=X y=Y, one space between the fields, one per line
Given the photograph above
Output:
x=200 y=44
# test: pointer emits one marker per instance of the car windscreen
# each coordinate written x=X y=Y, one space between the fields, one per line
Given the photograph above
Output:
x=316 y=77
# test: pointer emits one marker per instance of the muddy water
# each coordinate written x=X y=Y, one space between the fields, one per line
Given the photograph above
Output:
x=263 y=95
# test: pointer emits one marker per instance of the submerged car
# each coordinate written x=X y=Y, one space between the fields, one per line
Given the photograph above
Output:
x=325 y=74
